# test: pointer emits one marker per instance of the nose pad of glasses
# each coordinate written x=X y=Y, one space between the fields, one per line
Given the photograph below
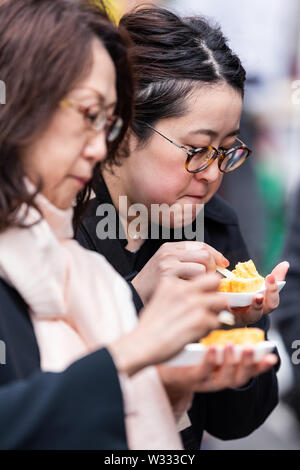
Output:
x=221 y=159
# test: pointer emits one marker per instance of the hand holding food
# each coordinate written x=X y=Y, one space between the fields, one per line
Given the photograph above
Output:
x=210 y=376
x=185 y=260
x=179 y=313
x=246 y=281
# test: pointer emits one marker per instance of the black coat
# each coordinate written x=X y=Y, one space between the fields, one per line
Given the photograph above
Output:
x=80 y=408
x=228 y=414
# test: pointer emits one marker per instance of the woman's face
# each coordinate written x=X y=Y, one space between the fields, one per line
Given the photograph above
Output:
x=67 y=151
x=155 y=173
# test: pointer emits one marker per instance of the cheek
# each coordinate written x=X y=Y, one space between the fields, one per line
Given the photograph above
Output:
x=157 y=185
x=52 y=160
x=158 y=180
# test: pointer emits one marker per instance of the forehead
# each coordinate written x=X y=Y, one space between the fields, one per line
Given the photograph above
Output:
x=102 y=76
x=216 y=107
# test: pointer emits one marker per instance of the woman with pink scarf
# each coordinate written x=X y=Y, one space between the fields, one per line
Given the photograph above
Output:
x=69 y=92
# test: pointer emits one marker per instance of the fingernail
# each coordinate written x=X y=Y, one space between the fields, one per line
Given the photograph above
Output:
x=225 y=261
x=249 y=352
x=259 y=300
x=212 y=350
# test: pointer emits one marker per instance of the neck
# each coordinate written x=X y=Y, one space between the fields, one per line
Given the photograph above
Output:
x=117 y=188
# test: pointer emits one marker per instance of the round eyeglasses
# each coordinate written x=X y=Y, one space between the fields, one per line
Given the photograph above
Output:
x=199 y=159
x=97 y=118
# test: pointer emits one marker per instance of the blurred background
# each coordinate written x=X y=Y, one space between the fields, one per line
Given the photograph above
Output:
x=266 y=36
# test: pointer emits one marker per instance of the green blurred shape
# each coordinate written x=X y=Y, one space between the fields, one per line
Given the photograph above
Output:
x=272 y=190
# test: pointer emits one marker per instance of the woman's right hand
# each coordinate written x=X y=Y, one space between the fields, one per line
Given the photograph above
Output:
x=184 y=259
x=178 y=313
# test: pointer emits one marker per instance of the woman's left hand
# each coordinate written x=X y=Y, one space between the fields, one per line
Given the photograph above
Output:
x=182 y=382
x=263 y=304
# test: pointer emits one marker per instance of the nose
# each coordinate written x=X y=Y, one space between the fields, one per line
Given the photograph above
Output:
x=96 y=147
x=210 y=174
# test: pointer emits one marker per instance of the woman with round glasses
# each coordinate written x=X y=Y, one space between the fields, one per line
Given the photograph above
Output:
x=183 y=139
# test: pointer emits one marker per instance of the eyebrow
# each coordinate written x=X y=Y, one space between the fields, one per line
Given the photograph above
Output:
x=214 y=134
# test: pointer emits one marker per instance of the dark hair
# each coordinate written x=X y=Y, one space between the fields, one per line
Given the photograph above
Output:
x=45 y=50
x=171 y=55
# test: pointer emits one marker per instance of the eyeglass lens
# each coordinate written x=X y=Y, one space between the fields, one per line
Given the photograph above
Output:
x=201 y=160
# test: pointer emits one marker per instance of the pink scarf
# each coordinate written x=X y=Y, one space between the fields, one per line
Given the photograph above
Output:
x=79 y=303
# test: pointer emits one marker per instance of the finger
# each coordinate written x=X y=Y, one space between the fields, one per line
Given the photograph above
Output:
x=205 y=378
x=217 y=305
x=202 y=257
x=197 y=378
x=265 y=364
x=246 y=368
x=196 y=325
x=214 y=302
x=219 y=258
x=190 y=270
x=208 y=283
x=280 y=271
x=190 y=246
x=202 y=327
x=209 y=363
x=227 y=370
x=271 y=294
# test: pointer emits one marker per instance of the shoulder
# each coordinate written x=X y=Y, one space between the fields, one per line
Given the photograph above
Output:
x=219 y=210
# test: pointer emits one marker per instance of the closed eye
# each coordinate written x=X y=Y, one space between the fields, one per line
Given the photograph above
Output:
x=91 y=116
x=192 y=147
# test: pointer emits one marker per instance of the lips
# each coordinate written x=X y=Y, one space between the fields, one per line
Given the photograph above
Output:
x=196 y=196
x=83 y=180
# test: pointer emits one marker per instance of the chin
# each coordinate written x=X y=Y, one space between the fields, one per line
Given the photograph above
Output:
x=63 y=204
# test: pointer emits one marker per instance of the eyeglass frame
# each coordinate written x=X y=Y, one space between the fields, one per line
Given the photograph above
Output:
x=102 y=124
x=219 y=154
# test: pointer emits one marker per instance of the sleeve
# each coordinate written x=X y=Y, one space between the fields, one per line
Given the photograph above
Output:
x=233 y=414
x=80 y=408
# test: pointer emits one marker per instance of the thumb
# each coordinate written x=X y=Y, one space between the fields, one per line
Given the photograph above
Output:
x=280 y=271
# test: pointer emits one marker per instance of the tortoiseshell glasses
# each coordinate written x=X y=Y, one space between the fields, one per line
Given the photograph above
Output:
x=199 y=159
